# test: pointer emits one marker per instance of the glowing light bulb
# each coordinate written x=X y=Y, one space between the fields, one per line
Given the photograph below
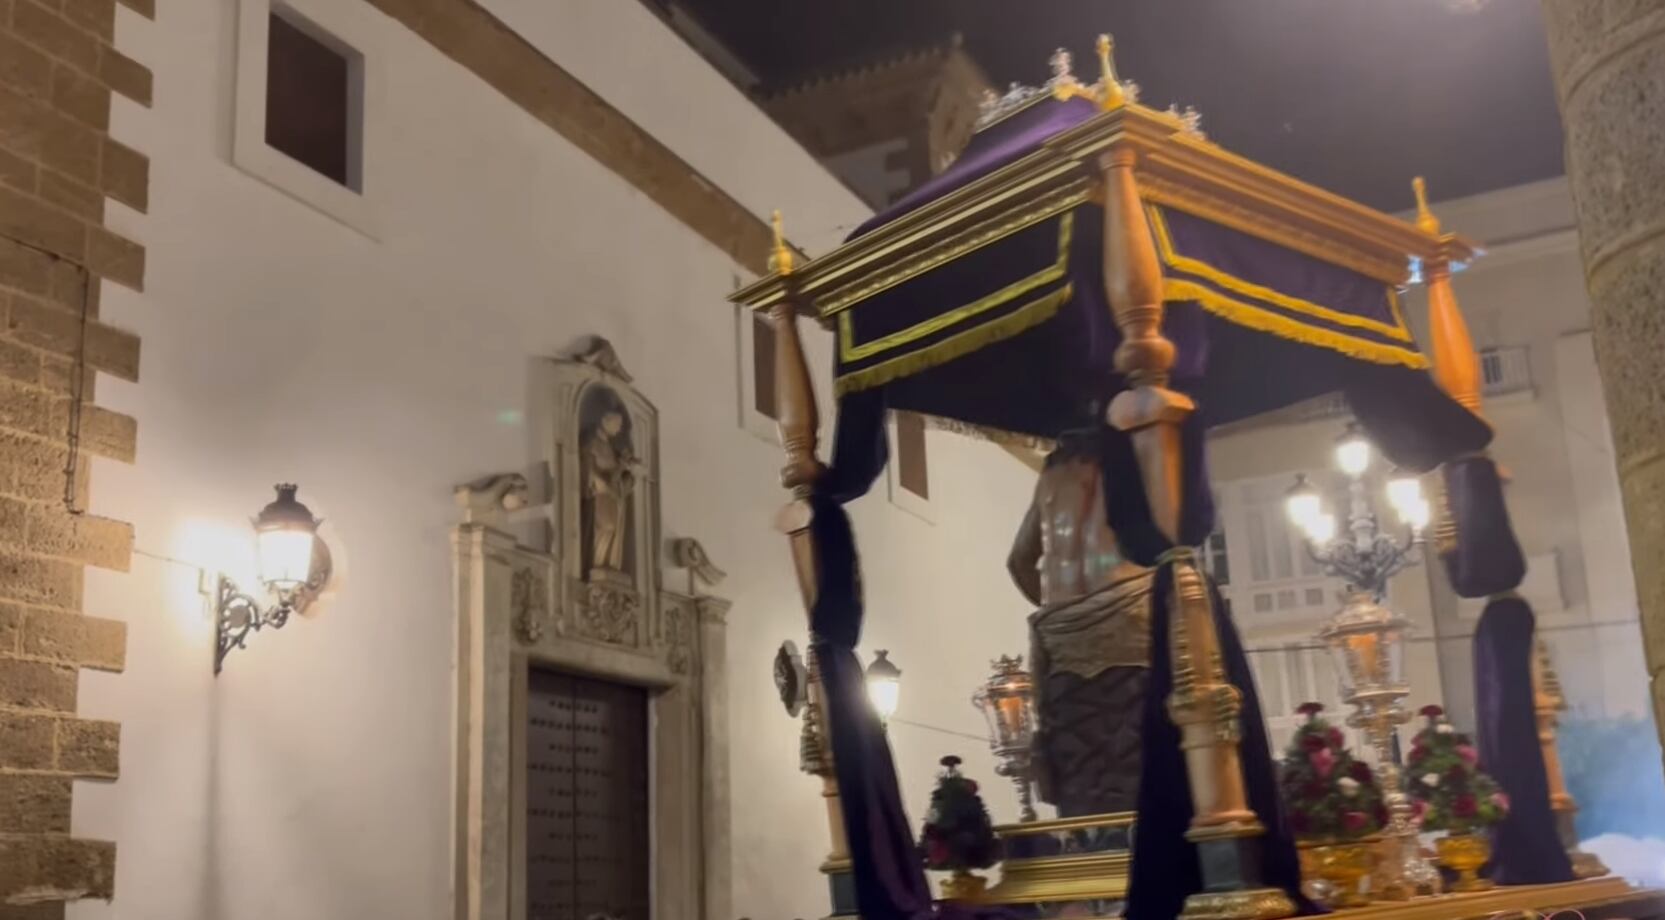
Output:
x=1403 y=492
x=1353 y=454
x=1302 y=502
x=1321 y=529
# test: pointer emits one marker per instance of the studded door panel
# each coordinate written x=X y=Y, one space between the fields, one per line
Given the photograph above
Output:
x=586 y=799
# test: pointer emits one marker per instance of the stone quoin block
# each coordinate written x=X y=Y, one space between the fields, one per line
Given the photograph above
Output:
x=83 y=538
x=48 y=582
x=55 y=35
x=32 y=221
x=119 y=259
x=26 y=741
x=11 y=628
x=34 y=804
x=85 y=203
x=15 y=171
x=105 y=433
x=96 y=16
x=24 y=67
x=34 y=129
x=126 y=175
x=55 y=868
x=24 y=268
x=19 y=363
x=126 y=76
x=81 y=97
x=59 y=330
x=89 y=748
x=36 y=685
x=75 y=639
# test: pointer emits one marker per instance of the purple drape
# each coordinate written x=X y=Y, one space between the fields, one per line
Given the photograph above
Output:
x=1165 y=868
x=1526 y=849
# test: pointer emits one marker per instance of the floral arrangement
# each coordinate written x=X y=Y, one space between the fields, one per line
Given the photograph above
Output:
x=1444 y=780
x=1330 y=795
x=958 y=835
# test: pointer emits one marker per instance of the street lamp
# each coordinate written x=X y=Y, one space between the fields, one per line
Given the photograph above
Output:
x=884 y=685
x=1007 y=701
x=1366 y=640
x=294 y=566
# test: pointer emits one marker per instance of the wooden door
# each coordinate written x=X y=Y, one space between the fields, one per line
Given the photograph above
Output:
x=587 y=840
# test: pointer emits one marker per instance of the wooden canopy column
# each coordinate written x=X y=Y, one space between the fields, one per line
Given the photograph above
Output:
x=1204 y=703
x=1457 y=369
x=799 y=422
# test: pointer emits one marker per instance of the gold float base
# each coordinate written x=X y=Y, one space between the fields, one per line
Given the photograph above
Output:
x=1254 y=904
x=1081 y=862
x=1606 y=897
x=1587 y=865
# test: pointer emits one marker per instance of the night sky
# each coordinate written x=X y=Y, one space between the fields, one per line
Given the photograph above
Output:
x=1353 y=95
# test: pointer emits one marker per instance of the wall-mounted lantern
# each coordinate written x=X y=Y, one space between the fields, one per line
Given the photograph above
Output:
x=884 y=685
x=294 y=566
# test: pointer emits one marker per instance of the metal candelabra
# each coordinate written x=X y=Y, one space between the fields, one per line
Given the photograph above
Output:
x=1367 y=641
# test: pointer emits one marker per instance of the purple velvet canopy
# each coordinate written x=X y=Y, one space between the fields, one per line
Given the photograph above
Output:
x=1016 y=335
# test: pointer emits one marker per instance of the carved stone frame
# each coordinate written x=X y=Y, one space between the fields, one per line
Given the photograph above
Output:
x=508 y=624
x=521 y=607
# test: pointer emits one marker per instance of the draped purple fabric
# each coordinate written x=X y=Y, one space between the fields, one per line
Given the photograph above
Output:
x=889 y=873
x=1165 y=869
x=1526 y=849
x=990 y=149
x=1486 y=558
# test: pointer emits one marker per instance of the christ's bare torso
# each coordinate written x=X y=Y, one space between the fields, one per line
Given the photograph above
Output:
x=1066 y=548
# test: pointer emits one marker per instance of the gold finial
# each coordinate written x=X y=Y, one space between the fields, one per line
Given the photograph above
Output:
x=780 y=259
x=1425 y=219
x=1114 y=97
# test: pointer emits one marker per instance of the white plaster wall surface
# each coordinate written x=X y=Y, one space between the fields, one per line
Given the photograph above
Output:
x=313 y=778
x=628 y=57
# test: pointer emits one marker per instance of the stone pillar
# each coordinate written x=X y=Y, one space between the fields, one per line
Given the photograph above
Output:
x=59 y=68
x=1609 y=63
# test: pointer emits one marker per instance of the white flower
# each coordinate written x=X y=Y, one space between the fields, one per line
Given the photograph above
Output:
x=1349 y=785
x=1430 y=779
x=1444 y=728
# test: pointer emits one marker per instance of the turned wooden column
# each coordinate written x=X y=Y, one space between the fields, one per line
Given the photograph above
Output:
x=1457 y=370
x=800 y=424
x=1204 y=704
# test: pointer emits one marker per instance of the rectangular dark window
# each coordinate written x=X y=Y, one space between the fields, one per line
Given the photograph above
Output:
x=763 y=365
x=912 y=471
x=310 y=106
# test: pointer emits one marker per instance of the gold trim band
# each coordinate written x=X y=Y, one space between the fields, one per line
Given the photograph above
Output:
x=1022 y=319
x=1171 y=257
x=1178 y=289
x=850 y=351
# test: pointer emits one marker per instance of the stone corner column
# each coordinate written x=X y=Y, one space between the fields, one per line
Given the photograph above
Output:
x=1608 y=58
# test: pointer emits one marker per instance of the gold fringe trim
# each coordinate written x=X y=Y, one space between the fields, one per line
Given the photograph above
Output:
x=1178 y=289
x=1173 y=259
x=849 y=351
x=1021 y=320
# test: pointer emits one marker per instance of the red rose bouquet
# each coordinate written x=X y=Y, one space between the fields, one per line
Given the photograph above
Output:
x=958 y=835
x=1329 y=794
x=1444 y=779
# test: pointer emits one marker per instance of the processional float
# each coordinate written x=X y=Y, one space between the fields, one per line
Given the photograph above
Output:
x=1092 y=264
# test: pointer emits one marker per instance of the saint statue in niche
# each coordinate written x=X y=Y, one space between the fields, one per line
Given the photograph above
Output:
x=610 y=474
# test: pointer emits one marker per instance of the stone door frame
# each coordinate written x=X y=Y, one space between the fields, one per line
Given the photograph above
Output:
x=510 y=619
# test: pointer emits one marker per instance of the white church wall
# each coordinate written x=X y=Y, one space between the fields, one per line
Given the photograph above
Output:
x=313 y=778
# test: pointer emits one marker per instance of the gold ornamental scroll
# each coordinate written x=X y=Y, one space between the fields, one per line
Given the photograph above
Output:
x=1457 y=370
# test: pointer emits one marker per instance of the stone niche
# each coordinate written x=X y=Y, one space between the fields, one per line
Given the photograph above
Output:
x=562 y=568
